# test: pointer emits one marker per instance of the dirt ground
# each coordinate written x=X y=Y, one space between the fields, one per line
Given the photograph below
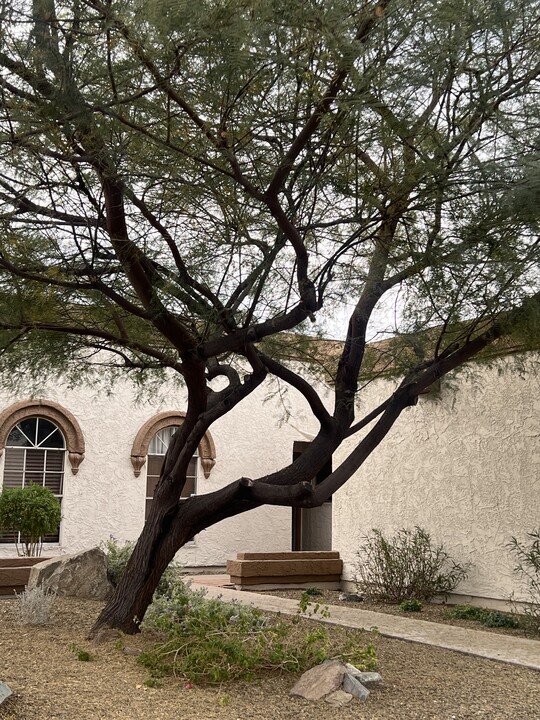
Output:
x=432 y=612
x=420 y=683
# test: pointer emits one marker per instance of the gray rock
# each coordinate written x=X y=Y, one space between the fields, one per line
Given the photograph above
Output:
x=350 y=597
x=364 y=677
x=321 y=680
x=5 y=692
x=354 y=687
x=83 y=575
x=338 y=698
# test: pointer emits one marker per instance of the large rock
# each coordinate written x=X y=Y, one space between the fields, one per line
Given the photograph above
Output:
x=83 y=575
x=321 y=680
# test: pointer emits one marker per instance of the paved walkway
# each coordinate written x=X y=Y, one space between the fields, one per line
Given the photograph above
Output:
x=506 y=648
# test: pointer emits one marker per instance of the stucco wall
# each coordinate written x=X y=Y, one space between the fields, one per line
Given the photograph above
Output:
x=105 y=498
x=465 y=465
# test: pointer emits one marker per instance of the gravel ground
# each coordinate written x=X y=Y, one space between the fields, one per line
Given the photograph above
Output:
x=420 y=683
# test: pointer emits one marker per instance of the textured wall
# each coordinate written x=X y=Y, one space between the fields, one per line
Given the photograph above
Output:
x=464 y=465
x=105 y=498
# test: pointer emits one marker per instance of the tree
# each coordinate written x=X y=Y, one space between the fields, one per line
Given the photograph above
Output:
x=32 y=512
x=189 y=186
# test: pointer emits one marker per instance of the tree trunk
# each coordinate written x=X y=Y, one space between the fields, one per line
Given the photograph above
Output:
x=152 y=554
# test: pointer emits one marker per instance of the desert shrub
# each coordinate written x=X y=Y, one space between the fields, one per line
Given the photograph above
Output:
x=527 y=555
x=33 y=511
x=467 y=612
x=494 y=619
x=118 y=555
x=210 y=641
x=405 y=566
x=489 y=618
x=34 y=606
x=411 y=605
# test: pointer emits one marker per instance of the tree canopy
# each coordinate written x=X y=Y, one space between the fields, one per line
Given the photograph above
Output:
x=184 y=184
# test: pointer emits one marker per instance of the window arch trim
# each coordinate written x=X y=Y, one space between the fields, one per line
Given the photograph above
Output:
x=139 y=450
x=66 y=421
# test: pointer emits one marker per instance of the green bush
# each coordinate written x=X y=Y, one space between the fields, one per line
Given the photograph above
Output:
x=210 y=641
x=33 y=511
x=488 y=618
x=467 y=612
x=411 y=605
x=405 y=566
x=117 y=557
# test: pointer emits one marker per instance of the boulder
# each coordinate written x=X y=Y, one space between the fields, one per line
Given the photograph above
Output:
x=83 y=575
x=321 y=680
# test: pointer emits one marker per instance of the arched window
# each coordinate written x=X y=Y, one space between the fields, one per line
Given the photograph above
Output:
x=34 y=455
x=151 y=443
x=156 y=454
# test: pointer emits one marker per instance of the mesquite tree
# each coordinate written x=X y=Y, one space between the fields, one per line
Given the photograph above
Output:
x=188 y=187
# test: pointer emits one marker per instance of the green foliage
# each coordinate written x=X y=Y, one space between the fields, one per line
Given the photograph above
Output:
x=467 y=612
x=117 y=558
x=309 y=608
x=527 y=556
x=80 y=654
x=489 y=618
x=494 y=618
x=405 y=566
x=32 y=511
x=117 y=555
x=313 y=591
x=210 y=641
x=411 y=605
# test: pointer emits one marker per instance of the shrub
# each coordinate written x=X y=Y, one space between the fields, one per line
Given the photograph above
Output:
x=209 y=641
x=118 y=554
x=527 y=555
x=405 y=566
x=117 y=558
x=33 y=511
x=495 y=618
x=411 y=605
x=35 y=605
x=489 y=618
x=467 y=612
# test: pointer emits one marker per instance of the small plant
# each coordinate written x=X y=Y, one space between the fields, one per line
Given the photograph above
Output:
x=32 y=512
x=411 y=605
x=488 y=618
x=467 y=612
x=495 y=619
x=309 y=608
x=80 y=654
x=313 y=591
x=118 y=554
x=527 y=555
x=153 y=682
x=35 y=606
x=405 y=566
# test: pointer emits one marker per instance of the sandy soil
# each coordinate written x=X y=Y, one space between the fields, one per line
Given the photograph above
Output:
x=420 y=683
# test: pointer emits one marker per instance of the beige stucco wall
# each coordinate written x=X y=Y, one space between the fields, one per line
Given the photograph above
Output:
x=105 y=498
x=464 y=465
